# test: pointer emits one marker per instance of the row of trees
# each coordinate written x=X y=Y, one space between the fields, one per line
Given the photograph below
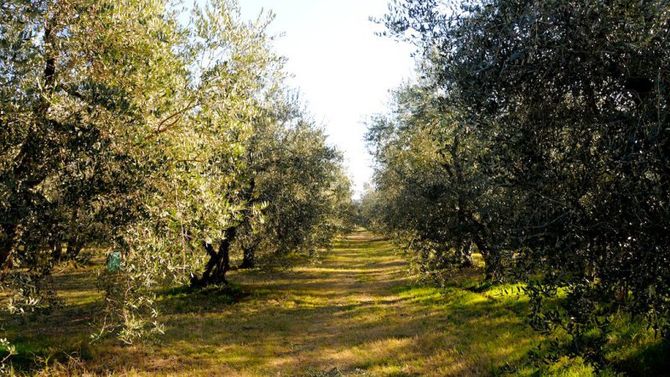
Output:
x=172 y=141
x=539 y=136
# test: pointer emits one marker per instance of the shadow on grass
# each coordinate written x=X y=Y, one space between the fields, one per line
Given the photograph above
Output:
x=355 y=313
x=55 y=336
x=323 y=318
x=651 y=360
x=185 y=299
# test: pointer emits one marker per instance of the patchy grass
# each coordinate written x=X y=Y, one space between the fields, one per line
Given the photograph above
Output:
x=357 y=312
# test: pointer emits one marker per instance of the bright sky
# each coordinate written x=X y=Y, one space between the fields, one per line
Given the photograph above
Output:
x=344 y=71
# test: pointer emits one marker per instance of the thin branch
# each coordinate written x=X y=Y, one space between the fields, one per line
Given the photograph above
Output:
x=173 y=119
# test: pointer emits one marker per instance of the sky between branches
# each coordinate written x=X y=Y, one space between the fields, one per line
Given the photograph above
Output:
x=344 y=71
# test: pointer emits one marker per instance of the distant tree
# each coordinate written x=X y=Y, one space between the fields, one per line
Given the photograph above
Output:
x=435 y=195
x=367 y=209
x=300 y=180
x=292 y=184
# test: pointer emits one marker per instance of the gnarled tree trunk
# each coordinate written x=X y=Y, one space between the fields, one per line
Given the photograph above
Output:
x=465 y=255
x=74 y=247
x=6 y=247
x=492 y=260
x=219 y=261
x=248 y=258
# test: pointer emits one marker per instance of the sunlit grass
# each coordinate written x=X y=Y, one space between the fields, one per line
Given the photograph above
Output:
x=356 y=313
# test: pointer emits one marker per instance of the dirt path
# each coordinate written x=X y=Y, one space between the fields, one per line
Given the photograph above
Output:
x=354 y=314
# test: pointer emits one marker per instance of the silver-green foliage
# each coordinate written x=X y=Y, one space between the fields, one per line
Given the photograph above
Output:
x=123 y=126
x=569 y=102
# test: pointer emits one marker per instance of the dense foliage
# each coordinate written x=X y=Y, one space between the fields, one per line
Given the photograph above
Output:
x=166 y=142
x=299 y=180
x=538 y=133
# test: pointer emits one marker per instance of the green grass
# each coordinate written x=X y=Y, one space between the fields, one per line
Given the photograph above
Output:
x=356 y=313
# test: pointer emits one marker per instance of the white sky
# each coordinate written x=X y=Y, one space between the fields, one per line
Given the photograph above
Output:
x=343 y=70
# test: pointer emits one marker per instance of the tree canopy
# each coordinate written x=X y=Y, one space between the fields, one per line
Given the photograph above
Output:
x=171 y=142
x=538 y=134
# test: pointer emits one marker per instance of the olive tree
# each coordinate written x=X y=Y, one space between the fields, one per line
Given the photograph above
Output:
x=572 y=98
x=77 y=99
x=202 y=180
x=298 y=179
x=436 y=196
x=124 y=127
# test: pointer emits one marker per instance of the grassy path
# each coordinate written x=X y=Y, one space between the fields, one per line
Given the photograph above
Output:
x=354 y=314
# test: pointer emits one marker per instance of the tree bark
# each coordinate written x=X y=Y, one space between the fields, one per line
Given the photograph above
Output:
x=248 y=258
x=465 y=255
x=56 y=250
x=7 y=247
x=219 y=261
x=74 y=247
x=492 y=269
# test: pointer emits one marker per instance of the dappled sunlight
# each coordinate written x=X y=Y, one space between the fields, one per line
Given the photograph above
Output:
x=357 y=311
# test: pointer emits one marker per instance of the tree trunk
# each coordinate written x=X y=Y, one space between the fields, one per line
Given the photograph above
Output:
x=6 y=246
x=219 y=261
x=73 y=248
x=491 y=257
x=492 y=269
x=465 y=255
x=249 y=258
x=57 y=250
